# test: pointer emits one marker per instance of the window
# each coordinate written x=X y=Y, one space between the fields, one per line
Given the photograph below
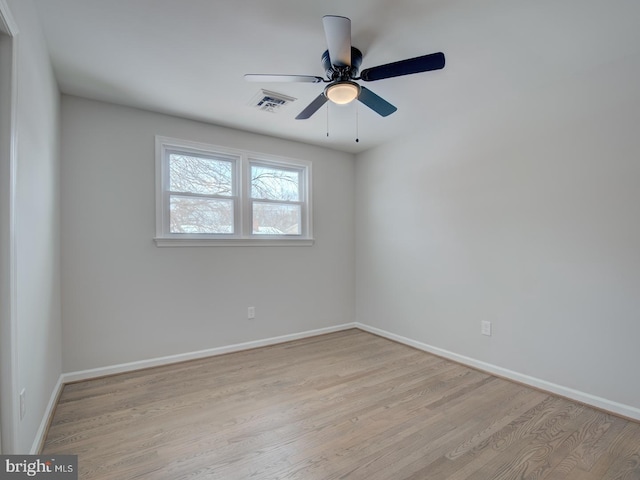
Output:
x=209 y=195
x=202 y=194
x=276 y=205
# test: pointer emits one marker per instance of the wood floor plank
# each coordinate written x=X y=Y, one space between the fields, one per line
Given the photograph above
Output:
x=625 y=454
x=582 y=445
x=348 y=405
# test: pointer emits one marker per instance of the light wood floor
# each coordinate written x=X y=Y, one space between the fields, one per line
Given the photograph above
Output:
x=348 y=405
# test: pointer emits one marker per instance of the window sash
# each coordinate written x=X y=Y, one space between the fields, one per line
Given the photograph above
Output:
x=298 y=172
x=281 y=229
x=221 y=209
x=225 y=161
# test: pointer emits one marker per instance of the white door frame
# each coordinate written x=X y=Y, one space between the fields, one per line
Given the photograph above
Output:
x=9 y=405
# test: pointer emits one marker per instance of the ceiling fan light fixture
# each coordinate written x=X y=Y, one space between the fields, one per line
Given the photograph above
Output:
x=342 y=92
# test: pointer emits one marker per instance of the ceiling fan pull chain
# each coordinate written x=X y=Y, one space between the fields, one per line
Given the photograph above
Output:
x=357 y=125
x=327 y=120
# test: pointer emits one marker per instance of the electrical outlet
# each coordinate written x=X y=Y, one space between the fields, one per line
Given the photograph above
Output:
x=251 y=313
x=23 y=403
x=485 y=328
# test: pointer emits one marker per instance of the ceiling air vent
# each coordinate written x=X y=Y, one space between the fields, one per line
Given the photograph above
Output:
x=269 y=101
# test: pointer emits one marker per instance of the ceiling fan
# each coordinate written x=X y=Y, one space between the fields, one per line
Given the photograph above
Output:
x=341 y=62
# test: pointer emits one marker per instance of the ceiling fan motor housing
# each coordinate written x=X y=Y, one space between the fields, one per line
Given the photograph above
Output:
x=338 y=73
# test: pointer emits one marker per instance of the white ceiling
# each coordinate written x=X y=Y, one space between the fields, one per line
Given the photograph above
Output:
x=188 y=57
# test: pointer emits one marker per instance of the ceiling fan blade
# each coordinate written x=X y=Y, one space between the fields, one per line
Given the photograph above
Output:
x=425 y=63
x=376 y=103
x=312 y=108
x=337 y=30
x=251 y=77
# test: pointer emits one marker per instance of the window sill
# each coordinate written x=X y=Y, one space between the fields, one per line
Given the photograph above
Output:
x=233 y=242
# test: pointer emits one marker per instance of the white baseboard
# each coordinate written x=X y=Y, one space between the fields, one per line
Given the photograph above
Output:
x=598 y=402
x=38 y=442
x=182 y=357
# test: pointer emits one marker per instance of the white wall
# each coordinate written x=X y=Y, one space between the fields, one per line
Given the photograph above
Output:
x=37 y=226
x=524 y=214
x=125 y=300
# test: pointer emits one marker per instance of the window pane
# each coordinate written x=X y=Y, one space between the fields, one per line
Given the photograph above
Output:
x=276 y=219
x=200 y=215
x=275 y=184
x=207 y=176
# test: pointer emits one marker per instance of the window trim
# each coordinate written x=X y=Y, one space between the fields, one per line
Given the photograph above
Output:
x=242 y=214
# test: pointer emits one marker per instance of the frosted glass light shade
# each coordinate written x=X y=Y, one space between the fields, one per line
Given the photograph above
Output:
x=342 y=92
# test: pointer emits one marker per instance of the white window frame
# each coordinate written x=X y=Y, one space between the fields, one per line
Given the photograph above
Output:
x=243 y=235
